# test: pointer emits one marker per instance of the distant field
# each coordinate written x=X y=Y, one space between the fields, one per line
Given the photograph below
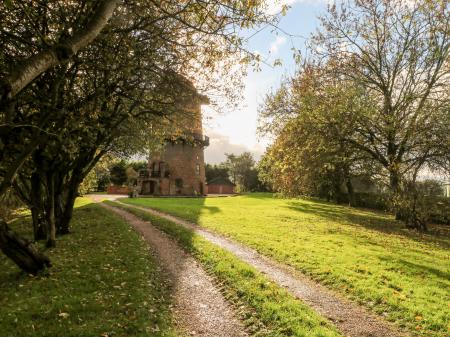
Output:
x=103 y=282
x=402 y=275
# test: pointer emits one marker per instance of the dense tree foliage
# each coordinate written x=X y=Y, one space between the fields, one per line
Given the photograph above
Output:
x=243 y=172
x=239 y=169
x=373 y=96
x=309 y=155
x=75 y=86
x=216 y=171
x=118 y=173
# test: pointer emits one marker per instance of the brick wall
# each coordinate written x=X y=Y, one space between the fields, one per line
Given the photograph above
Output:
x=113 y=189
x=220 y=189
x=186 y=162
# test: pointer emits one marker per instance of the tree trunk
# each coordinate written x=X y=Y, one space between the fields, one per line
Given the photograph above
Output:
x=64 y=221
x=21 y=251
x=350 y=191
x=394 y=182
x=65 y=202
x=50 y=211
x=39 y=225
x=59 y=202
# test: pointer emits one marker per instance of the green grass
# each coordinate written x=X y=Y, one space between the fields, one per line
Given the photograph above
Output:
x=104 y=282
x=267 y=309
x=402 y=275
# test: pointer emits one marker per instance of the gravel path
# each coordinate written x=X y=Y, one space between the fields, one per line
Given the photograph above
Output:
x=351 y=319
x=199 y=308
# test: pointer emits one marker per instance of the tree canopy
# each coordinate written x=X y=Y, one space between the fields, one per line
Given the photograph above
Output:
x=81 y=79
x=371 y=98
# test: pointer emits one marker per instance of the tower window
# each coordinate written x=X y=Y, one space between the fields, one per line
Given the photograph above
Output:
x=197 y=169
x=179 y=182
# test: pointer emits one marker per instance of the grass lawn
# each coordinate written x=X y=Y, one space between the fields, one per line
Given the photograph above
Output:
x=266 y=308
x=103 y=282
x=402 y=275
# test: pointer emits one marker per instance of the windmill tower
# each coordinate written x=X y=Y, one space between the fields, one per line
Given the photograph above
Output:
x=179 y=168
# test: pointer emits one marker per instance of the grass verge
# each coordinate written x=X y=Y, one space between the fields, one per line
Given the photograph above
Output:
x=402 y=275
x=267 y=309
x=104 y=282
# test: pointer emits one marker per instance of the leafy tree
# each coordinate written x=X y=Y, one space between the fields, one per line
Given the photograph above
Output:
x=380 y=78
x=138 y=165
x=68 y=118
x=89 y=183
x=398 y=52
x=118 y=175
x=132 y=175
x=309 y=156
x=242 y=171
x=216 y=171
x=430 y=187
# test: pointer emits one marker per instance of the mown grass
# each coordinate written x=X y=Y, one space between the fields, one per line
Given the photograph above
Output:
x=268 y=309
x=402 y=275
x=104 y=282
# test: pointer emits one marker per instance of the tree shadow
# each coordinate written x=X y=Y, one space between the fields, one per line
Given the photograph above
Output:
x=369 y=219
x=260 y=196
x=211 y=209
x=188 y=208
x=420 y=269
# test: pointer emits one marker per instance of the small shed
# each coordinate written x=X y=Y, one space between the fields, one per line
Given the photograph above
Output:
x=220 y=186
x=114 y=189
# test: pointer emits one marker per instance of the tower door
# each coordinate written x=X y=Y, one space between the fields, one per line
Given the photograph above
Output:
x=152 y=186
x=145 y=187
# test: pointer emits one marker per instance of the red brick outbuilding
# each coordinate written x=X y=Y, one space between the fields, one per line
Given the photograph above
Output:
x=220 y=186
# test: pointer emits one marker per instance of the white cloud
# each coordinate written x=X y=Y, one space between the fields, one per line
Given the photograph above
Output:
x=220 y=144
x=275 y=45
x=275 y=6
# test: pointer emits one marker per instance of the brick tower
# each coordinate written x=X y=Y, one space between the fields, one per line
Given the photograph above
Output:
x=179 y=168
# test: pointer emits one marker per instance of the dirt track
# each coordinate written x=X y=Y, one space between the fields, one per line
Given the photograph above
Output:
x=351 y=319
x=199 y=307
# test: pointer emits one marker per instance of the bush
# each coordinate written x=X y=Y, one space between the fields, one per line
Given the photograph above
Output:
x=366 y=200
x=437 y=208
x=371 y=200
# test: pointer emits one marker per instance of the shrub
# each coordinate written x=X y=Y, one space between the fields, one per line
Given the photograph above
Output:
x=437 y=208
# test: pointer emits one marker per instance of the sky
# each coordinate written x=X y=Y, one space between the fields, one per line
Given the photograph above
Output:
x=235 y=132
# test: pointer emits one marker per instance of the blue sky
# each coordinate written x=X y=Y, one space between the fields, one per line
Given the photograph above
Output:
x=235 y=132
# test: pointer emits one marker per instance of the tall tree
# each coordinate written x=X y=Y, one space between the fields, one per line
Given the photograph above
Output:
x=216 y=171
x=73 y=113
x=383 y=69
x=399 y=52
x=308 y=117
x=242 y=171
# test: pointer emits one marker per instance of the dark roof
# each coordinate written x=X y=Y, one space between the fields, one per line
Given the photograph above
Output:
x=220 y=181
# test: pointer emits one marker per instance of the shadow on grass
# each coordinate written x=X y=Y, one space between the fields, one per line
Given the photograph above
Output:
x=175 y=263
x=260 y=196
x=420 y=269
x=369 y=220
x=210 y=209
x=189 y=208
x=99 y=256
